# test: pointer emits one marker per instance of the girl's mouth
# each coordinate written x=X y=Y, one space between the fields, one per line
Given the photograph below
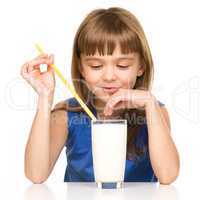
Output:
x=110 y=89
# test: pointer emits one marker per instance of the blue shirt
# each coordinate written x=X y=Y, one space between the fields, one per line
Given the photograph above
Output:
x=79 y=151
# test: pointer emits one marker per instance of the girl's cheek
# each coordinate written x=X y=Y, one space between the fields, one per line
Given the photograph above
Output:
x=91 y=77
x=92 y=84
x=128 y=82
x=93 y=80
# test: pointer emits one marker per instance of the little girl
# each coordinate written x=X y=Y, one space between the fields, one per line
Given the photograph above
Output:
x=112 y=72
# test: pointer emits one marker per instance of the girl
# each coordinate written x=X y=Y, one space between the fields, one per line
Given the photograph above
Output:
x=112 y=72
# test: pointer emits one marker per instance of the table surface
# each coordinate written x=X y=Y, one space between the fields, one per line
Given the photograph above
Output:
x=82 y=190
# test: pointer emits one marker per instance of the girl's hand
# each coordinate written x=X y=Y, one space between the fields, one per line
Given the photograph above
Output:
x=128 y=98
x=42 y=82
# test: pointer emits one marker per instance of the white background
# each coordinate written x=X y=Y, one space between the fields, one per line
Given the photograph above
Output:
x=175 y=32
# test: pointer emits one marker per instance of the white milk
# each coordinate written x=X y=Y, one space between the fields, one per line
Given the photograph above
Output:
x=109 y=140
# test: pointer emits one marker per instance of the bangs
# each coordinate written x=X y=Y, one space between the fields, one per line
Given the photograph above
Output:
x=104 y=34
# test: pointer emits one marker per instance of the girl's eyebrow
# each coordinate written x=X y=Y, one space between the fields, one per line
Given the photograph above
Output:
x=92 y=58
x=88 y=58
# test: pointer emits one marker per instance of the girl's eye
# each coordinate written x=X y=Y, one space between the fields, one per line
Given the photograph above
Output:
x=96 y=66
x=120 y=66
x=123 y=66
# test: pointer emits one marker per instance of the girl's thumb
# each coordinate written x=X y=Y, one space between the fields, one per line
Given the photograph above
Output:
x=51 y=69
x=52 y=58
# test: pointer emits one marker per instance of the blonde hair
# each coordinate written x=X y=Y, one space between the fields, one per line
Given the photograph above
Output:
x=102 y=30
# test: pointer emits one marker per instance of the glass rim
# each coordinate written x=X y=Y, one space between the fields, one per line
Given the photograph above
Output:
x=104 y=121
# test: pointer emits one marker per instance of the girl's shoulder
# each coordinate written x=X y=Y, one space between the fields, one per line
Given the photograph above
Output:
x=72 y=101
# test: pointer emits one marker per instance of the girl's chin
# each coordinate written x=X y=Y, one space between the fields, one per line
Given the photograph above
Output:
x=104 y=98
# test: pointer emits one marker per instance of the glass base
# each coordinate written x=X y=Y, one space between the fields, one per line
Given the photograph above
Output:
x=109 y=185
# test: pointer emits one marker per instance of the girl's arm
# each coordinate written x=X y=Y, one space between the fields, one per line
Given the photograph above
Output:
x=49 y=132
x=163 y=153
x=46 y=140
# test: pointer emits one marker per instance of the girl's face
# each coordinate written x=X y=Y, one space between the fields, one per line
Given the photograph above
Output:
x=104 y=75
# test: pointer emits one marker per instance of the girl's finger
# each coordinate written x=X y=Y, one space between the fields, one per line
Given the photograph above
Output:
x=24 y=70
x=46 y=56
x=35 y=64
x=109 y=106
x=114 y=96
x=121 y=105
x=51 y=58
x=114 y=100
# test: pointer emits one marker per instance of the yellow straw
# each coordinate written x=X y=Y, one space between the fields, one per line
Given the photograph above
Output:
x=70 y=88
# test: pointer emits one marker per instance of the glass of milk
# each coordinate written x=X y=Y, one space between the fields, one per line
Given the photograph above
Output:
x=109 y=141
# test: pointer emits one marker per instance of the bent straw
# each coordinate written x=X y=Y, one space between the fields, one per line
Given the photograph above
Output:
x=70 y=88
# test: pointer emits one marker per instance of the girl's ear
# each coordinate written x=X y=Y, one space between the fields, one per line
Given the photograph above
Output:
x=140 y=71
x=141 y=67
x=82 y=71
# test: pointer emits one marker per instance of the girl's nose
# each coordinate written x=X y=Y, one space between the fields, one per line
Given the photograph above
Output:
x=109 y=73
